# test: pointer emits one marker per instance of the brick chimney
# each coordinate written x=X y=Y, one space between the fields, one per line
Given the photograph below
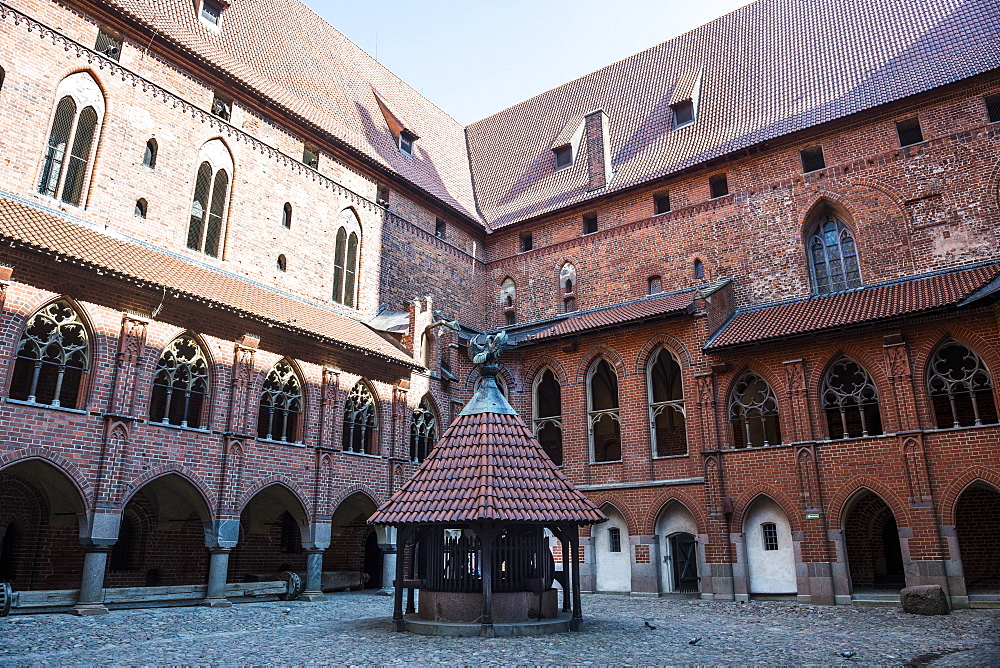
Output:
x=598 y=150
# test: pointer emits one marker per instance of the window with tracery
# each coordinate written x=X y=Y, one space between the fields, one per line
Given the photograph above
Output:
x=345 y=259
x=850 y=401
x=602 y=411
x=833 y=256
x=960 y=387
x=72 y=139
x=423 y=431
x=753 y=412
x=180 y=386
x=666 y=406
x=360 y=421
x=280 y=405
x=210 y=190
x=52 y=358
x=548 y=415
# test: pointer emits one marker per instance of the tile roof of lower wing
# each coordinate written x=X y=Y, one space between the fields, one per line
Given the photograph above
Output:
x=46 y=231
x=845 y=309
x=488 y=466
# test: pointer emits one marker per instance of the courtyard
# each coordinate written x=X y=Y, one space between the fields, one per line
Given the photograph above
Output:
x=353 y=628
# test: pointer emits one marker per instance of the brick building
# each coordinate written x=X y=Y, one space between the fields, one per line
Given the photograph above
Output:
x=750 y=275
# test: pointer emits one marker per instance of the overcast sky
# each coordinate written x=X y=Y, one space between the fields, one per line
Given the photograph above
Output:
x=474 y=58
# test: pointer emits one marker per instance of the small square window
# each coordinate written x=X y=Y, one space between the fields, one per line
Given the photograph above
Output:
x=526 y=242
x=718 y=186
x=564 y=156
x=569 y=304
x=440 y=228
x=812 y=158
x=661 y=203
x=909 y=131
x=310 y=156
x=655 y=284
x=511 y=317
x=211 y=12
x=222 y=107
x=770 y=536
x=993 y=108
x=108 y=44
x=614 y=539
x=683 y=113
x=406 y=140
x=382 y=195
x=589 y=223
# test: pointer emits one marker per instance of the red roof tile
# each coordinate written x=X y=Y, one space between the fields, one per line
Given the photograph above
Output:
x=875 y=302
x=616 y=315
x=45 y=231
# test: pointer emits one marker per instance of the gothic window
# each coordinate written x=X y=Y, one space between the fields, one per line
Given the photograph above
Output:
x=211 y=191
x=548 y=415
x=567 y=279
x=833 y=256
x=850 y=401
x=602 y=411
x=666 y=406
x=72 y=138
x=961 y=387
x=360 y=421
x=753 y=411
x=280 y=405
x=345 y=261
x=52 y=358
x=508 y=296
x=149 y=155
x=141 y=207
x=423 y=431
x=180 y=386
x=286 y=215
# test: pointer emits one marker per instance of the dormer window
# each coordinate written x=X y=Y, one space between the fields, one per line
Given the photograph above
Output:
x=108 y=44
x=406 y=139
x=683 y=113
x=222 y=107
x=310 y=156
x=564 y=156
x=211 y=12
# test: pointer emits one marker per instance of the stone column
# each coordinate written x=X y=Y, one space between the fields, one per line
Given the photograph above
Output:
x=314 y=576
x=388 y=549
x=91 y=598
x=218 y=569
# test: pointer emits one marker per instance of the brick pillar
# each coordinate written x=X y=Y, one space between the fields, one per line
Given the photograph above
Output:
x=800 y=419
x=329 y=400
x=904 y=416
x=239 y=398
x=706 y=411
x=131 y=346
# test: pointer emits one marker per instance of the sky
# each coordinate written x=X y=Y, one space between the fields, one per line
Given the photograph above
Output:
x=474 y=59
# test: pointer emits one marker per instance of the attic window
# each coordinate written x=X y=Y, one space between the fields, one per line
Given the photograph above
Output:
x=108 y=44
x=589 y=223
x=440 y=228
x=222 y=107
x=812 y=158
x=310 y=156
x=683 y=113
x=718 y=186
x=211 y=12
x=661 y=203
x=526 y=242
x=564 y=156
x=909 y=131
x=993 y=108
x=406 y=139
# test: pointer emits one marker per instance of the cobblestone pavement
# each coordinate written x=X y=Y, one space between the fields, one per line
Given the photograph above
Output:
x=353 y=628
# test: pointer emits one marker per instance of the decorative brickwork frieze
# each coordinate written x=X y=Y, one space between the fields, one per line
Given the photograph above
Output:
x=329 y=402
x=131 y=345
x=898 y=372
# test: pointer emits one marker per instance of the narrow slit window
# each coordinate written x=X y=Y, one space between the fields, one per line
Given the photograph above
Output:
x=909 y=131
x=589 y=223
x=282 y=263
x=310 y=156
x=140 y=208
x=286 y=215
x=440 y=228
x=149 y=155
x=699 y=269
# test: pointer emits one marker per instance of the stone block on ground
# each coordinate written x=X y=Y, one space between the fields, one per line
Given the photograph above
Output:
x=924 y=600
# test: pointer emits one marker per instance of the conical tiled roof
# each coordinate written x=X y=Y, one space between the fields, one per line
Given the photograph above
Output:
x=488 y=466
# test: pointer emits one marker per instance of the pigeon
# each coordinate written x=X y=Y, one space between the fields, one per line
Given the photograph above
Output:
x=648 y=625
x=847 y=655
x=694 y=641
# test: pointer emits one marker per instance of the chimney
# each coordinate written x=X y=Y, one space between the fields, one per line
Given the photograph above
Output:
x=598 y=150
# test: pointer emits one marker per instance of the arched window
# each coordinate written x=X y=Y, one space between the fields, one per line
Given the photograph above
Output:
x=180 y=386
x=548 y=415
x=74 y=129
x=423 y=431
x=508 y=297
x=602 y=411
x=140 y=208
x=286 y=215
x=149 y=156
x=52 y=358
x=699 y=269
x=753 y=410
x=280 y=405
x=427 y=346
x=282 y=263
x=850 y=401
x=833 y=257
x=567 y=279
x=346 y=255
x=211 y=191
x=360 y=421
x=961 y=387
x=666 y=405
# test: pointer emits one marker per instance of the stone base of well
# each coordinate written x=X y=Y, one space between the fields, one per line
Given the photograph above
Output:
x=508 y=607
x=562 y=623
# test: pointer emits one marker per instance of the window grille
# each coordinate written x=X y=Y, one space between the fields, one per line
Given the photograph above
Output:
x=614 y=539
x=833 y=256
x=960 y=387
x=589 y=223
x=812 y=158
x=280 y=405
x=180 y=386
x=850 y=401
x=423 y=431
x=564 y=156
x=666 y=406
x=654 y=285
x=548 y=415
x=661 y=203
x=140 y=208
x=68 y=129
x=569 y=305
x=604 y=420
x=207 y=208
x=360 y=421
x=770 y=536
x=718 y=186
x=52 y=358
x=286 y=215
x=149 y=155
x=753 y=411
x=108 y=45
x=909 y=131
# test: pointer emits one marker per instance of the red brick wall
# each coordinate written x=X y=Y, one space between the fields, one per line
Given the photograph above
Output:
x=978 y=525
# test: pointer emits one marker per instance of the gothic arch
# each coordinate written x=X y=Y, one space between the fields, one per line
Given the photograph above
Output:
x=662 y=340
x=504 y=372
x=748 y=498
x=540 y=364
x=276 y=481
x=874 y=366
x=949 y=498
x=825 y=200
x=208 y=499
x=921 y=356
x=357 y=488
x=841 y=501
x=62 y=465
x=618 y=504
x=590 y=358
x=36 y=303
x=697 y=511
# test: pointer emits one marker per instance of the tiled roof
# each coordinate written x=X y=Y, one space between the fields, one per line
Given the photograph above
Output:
x=45 y=231
x=288 y=54
x=845 y=309
x=766 y=70
x=488 y=466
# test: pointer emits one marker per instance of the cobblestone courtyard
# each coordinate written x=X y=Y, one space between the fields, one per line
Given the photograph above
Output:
x=353 y=628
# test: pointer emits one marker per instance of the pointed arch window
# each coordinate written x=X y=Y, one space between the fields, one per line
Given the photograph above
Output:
x=210 y=191
x=53 y=357
x=960 y=387
x=833 y=256
x=508 y=297
x=602 y=411
x=666 y=405
x=346 y=256
x=548 y=415
x=850 y=401
x=280 y=405
x=180 y=386
x=72 y=138
x=360 y=421
x=753 y=412
x=149 y=155
x=423 y=431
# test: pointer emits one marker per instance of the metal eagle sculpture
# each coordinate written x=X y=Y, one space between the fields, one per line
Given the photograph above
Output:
x=487 y=352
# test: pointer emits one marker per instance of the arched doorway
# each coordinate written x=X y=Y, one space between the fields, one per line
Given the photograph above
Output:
x=350 y=549
x=679 y=567
x=40 y=509
x=612 y=553
x=270 y=536
x=769 y=551
x=871 y=537
x=161 y=538
x=977 y=524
